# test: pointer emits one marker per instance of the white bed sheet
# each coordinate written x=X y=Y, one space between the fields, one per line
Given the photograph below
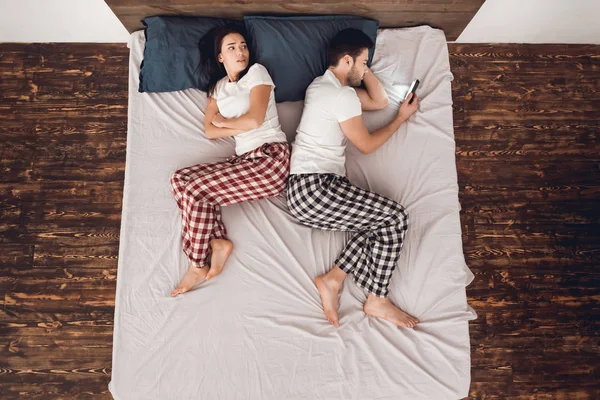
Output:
x=258 y=330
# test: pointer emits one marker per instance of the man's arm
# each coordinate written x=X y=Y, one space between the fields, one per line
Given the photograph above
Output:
x=354 y=128
x=375 y=96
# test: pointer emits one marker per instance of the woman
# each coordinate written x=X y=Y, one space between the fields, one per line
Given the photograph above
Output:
x=241 y=104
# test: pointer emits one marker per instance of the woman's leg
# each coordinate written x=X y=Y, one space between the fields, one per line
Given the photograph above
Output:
x=379 y=224
x=258 y=174
x=200 y=220
x=196 y=244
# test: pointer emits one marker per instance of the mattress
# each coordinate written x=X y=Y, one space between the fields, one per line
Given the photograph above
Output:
x=257 y=331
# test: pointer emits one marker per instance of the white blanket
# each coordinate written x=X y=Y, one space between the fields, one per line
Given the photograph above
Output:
x=258 y=331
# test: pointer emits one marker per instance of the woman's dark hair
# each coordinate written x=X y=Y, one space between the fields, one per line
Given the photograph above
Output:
x=210 y=47
x=348 y=41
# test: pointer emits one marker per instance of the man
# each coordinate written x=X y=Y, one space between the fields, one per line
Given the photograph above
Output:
x=320 y=196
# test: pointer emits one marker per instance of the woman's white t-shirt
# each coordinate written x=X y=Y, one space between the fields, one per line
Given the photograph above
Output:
x=320 y=145
x=233 y=101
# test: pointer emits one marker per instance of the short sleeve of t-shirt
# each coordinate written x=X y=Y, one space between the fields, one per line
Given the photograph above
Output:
x=347 y=105
x=258 y=75
x=218 y=88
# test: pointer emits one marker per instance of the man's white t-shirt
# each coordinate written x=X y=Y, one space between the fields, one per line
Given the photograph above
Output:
x=320 y=144
x=233 y=101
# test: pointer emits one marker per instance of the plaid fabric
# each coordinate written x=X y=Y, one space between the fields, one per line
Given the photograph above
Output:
x=331 y=202
x=201 y=190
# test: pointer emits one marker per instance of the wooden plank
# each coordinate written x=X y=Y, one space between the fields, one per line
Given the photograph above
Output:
x=43 y=384
x=450 y=15
x=526 y=126
x=429 y=5
x=63 y=126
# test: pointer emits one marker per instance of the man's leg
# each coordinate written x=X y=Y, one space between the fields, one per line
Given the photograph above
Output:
x=330 y=202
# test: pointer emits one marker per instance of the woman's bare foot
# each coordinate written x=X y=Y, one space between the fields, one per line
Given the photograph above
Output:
x=191 y=277
x=329 y=286
x=221 y=249
x=383 y=308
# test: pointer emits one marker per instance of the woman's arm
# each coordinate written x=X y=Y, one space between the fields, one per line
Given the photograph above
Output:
x=212 y=131
x=259 y=101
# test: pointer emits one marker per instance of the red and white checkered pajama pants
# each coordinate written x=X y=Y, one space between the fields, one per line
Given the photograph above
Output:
x=202 y=189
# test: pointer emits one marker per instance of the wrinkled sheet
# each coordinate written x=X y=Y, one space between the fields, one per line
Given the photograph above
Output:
x=258 y=331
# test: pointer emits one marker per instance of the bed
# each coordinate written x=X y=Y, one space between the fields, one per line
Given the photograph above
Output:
x=258 y=330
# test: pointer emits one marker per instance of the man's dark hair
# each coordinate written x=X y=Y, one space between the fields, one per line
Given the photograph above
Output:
x=348 y=41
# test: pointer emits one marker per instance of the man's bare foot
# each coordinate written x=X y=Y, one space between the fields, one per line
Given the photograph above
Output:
x=221 y=249
x=329 y=286
x=383 y=308
x=191 y=277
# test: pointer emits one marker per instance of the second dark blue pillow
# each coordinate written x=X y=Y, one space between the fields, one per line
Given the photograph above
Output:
x=294 y=49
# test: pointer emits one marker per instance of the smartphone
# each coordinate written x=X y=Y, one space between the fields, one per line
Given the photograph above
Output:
x=412 y=89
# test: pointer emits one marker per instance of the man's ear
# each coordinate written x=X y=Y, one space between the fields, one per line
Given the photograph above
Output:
x=348 y=60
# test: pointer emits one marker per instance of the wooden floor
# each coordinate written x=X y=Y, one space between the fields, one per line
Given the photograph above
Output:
x=528 y=155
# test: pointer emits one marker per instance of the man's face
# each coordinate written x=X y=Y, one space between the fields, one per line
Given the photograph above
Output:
x=358 y=69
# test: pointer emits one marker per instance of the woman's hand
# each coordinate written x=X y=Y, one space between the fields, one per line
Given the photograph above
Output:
x=218 y=121
x=406 y=110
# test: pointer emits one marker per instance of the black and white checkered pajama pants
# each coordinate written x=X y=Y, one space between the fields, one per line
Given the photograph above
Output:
x=331 y=202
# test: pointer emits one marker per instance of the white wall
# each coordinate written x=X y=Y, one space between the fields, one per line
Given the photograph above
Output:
x=59 y=21
x=535 y=21
x=498 y=21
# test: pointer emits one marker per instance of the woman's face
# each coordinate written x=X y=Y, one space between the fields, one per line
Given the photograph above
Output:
x=234 y=54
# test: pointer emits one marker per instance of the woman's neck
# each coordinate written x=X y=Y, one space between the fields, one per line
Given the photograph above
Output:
x=233 y=78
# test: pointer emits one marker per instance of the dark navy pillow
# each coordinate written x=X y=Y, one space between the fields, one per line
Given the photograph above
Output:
x=172 y=55
x=294 y=49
